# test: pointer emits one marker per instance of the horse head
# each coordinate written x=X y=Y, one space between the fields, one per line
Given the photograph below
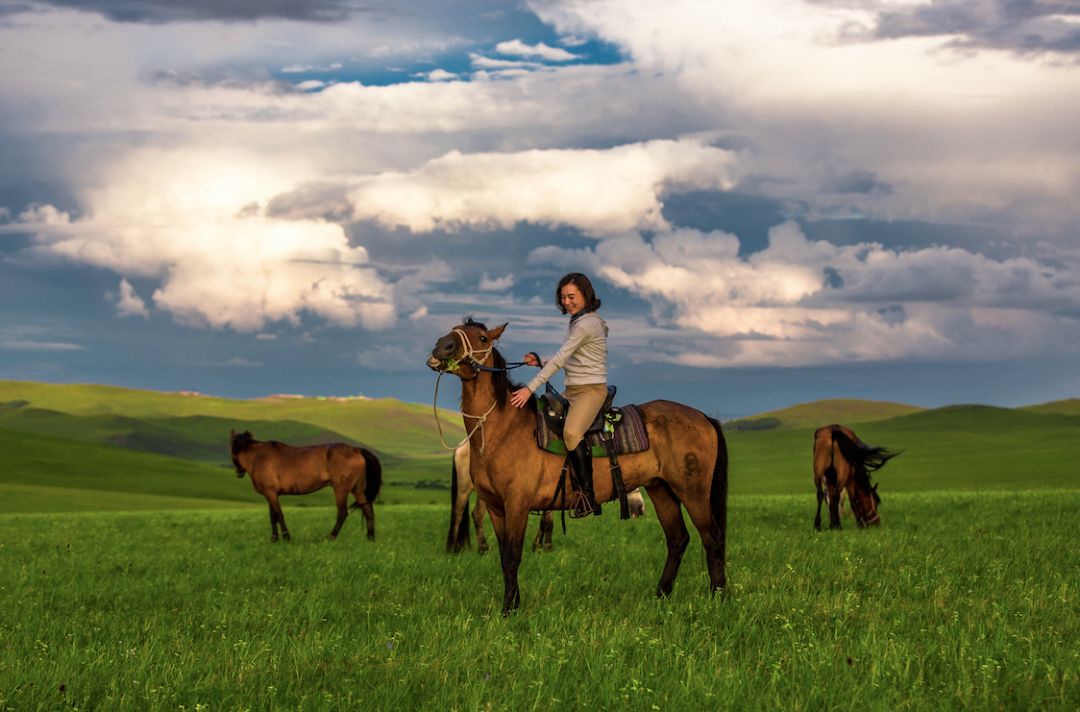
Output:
x=461 y=350
x=864 y=505
x=238 y=442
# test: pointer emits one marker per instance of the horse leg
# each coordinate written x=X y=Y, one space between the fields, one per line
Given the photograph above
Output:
x=712 y=538
x=275 y=511
x=834 y=507
x=273 y=521
x=365 y=508
x=510 y=531
x=341 y=498
x=817 y=517
x=454 y=541
x=369 y=516
x=669 y=514
x=478 y=524
x=543 y=534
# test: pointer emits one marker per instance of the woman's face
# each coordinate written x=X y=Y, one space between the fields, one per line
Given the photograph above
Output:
x=571 y=299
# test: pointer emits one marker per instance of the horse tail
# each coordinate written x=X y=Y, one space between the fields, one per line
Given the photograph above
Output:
x=718 y=492
x=372 y=475
x=457 y=540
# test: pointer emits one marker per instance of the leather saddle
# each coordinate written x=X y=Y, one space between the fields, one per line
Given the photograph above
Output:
x=553 y=408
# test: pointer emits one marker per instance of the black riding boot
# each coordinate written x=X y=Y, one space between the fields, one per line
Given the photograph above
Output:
x=580 y=459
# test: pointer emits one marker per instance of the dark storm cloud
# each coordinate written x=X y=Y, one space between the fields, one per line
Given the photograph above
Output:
x=165 y=11
x=1023 y=26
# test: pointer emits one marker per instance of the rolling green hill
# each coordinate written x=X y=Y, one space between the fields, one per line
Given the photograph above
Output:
x=822 y=412
x=1069 y=406
x=77 y=447
x=56 y=431
x=952 y=448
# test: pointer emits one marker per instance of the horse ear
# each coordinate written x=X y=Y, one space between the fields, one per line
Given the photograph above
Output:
x=232 y=433
x=497 y=331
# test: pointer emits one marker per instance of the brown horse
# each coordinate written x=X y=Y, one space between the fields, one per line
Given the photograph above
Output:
x=843 y=463
x=686 y=464
x=461 y=487
x=276 y=469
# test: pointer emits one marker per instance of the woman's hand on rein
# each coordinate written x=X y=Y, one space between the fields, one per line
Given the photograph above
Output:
x=520 y=397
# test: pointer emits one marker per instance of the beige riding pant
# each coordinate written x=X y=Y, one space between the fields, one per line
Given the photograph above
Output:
x=585 y=403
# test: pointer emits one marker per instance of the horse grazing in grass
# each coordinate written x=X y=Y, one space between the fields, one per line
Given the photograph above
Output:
x=276 y=469
x=685 y=465
x=843 y=463
x=461 y=487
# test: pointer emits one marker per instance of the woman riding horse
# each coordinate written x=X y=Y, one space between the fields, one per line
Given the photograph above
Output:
x=685 y=465
x=584 y=356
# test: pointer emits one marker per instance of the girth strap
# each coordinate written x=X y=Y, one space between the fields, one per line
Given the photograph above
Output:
x=617 y=483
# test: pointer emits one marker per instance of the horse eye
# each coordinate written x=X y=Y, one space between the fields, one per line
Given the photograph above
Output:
x=483 y=339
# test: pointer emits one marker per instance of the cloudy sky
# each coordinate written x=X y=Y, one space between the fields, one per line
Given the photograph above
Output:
x=779 y=200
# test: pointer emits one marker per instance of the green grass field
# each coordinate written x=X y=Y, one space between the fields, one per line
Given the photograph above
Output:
x=962 y=601
x=137 y=572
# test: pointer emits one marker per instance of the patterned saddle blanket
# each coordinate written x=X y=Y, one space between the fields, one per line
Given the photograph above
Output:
x=622 y=427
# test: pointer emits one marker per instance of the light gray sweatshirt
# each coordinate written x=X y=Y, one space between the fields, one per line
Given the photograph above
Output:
x=583 y=354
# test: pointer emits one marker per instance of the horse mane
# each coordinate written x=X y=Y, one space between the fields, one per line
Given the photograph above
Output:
x=504 y=386
x=863 y=458
x=242 y=441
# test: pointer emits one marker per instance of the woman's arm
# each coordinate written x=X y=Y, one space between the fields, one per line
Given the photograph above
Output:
x=577 y=336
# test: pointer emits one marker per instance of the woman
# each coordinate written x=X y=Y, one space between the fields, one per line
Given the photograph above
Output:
x=584 y=356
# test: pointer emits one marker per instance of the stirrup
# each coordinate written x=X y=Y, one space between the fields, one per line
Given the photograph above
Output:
x=582 y=506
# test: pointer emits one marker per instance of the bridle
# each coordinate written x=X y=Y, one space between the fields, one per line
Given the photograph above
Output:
x=470 y=358
x=868 y=520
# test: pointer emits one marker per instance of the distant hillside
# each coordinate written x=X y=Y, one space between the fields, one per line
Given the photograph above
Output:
x=91 y=448
x=964 y=447
x=823 y=412
x=385 y=425
x=132 y=443
x=1069 y=406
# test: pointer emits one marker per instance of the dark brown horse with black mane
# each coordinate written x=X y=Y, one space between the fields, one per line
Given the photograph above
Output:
x=843 y=463
x=685 y=466
x=276 y=469
x=461 y=488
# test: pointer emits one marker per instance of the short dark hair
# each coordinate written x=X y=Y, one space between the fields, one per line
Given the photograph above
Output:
x=584 y=286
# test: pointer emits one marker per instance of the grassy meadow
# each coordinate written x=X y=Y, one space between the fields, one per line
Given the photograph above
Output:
x=137 y=572
x=962 y=601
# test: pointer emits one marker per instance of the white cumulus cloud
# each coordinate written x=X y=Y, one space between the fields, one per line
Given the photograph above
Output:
x=187 y=219
x=517 y=48
x=129 y=303
x=600 y=192
x=800 y=302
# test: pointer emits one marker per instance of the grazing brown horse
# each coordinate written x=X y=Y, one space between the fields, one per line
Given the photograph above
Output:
x=276 y=469
x=461 y=487
x=686 y=464
x=843 y=463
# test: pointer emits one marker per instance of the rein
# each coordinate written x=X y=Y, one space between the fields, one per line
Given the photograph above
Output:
x=479 y=425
